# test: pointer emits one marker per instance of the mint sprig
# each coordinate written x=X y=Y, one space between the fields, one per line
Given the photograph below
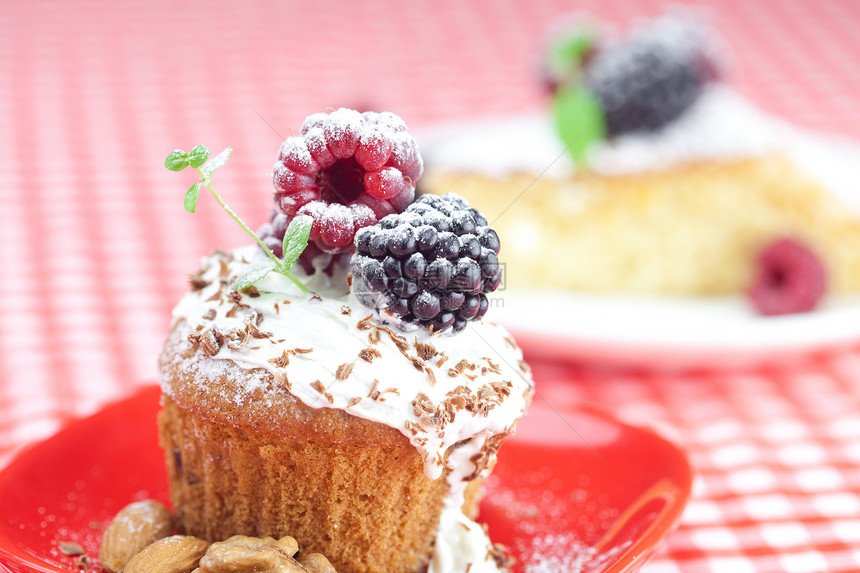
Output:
x=295 y=239
x=579 y=120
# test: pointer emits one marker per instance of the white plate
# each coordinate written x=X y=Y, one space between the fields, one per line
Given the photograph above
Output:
x=671 y=333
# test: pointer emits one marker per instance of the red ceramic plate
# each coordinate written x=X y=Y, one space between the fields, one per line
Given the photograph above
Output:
x=573 y=491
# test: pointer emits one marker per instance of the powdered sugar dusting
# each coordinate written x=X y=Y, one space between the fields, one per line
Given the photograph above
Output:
x=553 y=553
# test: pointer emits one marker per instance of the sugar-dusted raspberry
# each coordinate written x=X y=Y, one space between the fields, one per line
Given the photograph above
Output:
x=312 y=258
x=790 y=279
x=431 y=265
x=346 y=170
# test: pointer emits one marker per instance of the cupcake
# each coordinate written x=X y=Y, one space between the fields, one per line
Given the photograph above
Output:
x=348 y=394
x=659 y=177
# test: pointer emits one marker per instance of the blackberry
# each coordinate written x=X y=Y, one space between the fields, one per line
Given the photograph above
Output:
x=647 y=79
x=346 y=170
x=431 y=265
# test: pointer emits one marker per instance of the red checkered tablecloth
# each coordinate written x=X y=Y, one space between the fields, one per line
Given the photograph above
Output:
x=95 y=245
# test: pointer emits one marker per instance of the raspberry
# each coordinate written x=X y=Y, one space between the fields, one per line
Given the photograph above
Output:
x=311 y=259
x=346 y=170
x=431 y=265
x=650 y=77
x=790 y=279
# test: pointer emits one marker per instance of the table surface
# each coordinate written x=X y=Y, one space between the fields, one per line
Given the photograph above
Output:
x=96 y=247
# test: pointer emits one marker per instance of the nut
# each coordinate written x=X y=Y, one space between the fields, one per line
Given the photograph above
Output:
x=261 y=555
x=134 y=527
x=316 y=563
x=174 y=554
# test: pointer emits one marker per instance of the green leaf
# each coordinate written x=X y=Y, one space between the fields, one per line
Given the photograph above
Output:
x=579 y=119
x=566 y=53
x=257 y=272
x=198 y=156
x=176 y=160
x=218 y=161
x=296 y=239
x=191 y=197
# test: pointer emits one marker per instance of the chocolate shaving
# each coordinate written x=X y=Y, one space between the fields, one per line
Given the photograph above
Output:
x=209 y=342
x=210 y=314
x=216 y=295
x=364 y=323
x=422 y=404
x=282 y=361
x=253 y=330
x=425 y=351
x=318 y=386
x=344 y=370
x=485 y=457
x=373 y=387
x=368 y=354
x=345 y=310
x=197 y=281
x=379 y=396
x=353 y=401
x=251 y=291
x=237 y=339
x=399 y=341
x=417 y=363
x=225 y=269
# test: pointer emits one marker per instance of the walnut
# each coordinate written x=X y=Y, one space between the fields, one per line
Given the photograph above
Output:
x=260 y=555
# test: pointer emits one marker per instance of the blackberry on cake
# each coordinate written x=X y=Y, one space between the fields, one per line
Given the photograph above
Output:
x=431 y=266
x=606 y=87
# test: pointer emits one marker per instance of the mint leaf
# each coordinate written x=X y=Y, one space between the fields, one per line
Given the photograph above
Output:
x=579 y=119
x=176 y=160
x=296 y=239
x=191 y=197
x=218 y=161
x=257 y=272
x=198 y=156
x=566 y=53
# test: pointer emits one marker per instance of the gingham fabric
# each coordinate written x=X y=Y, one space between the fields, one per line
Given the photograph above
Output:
x=95 y=245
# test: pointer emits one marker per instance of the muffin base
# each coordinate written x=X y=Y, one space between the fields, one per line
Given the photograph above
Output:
x=368 y=508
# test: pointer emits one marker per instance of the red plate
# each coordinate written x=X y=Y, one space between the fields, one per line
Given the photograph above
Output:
x=573 y=491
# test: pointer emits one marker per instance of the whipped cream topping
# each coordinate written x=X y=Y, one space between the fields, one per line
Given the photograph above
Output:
x=461 y=544
x=437 y=389
x=721 y=125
